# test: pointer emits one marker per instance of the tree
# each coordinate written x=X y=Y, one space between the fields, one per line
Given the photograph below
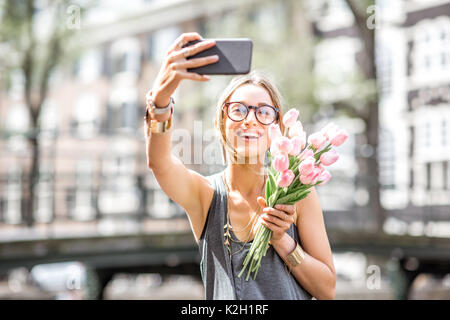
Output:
x=36 y=35
x=282 y=46
x=369 y=113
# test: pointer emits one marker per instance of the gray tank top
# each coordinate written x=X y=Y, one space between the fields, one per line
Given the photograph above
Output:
x=220 y=272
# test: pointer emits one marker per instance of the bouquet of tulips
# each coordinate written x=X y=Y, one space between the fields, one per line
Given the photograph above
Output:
x=296 y=165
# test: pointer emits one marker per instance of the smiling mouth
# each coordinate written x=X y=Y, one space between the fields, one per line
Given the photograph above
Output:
x=248 y=135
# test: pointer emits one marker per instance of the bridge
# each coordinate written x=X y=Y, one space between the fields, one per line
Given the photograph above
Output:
x=166 y=245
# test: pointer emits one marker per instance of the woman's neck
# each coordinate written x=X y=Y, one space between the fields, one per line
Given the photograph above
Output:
x=247 y=179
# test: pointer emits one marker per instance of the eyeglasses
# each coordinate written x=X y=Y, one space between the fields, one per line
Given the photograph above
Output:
x=238 y=111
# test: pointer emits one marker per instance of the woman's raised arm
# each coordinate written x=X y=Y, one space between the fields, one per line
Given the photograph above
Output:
x=182 y=185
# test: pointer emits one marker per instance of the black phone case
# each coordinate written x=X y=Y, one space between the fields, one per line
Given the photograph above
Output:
x=235 y=57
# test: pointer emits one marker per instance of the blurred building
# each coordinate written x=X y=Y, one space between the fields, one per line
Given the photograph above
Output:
x=92 y=156
x=413 y=64
x=93 y=148
x=92 y=162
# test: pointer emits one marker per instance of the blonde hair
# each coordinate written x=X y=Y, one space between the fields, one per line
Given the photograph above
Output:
x=256 y=78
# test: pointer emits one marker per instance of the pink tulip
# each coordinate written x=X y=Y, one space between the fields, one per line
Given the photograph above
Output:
x=296 y=129
x=273 y=149
x=298 y=143
x=316 y=174
x=306 y=153
x=281 y=144
x=317 y=139
x=281 y=162
x=328 y=158
x=274 y=132
x=290 y=117
x=339 y=138
x=330 y=130
x=285 y=179
x=306 y=166
x=324 y=177
x=311 y=178
x=321 y=168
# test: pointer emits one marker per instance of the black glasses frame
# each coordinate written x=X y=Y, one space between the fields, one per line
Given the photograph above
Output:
x=248 y=108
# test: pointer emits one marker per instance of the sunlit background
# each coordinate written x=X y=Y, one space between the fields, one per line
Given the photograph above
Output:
x=81 y=215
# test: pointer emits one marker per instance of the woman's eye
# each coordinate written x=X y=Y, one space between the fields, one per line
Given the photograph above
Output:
x=265 y=111
x=237 y=109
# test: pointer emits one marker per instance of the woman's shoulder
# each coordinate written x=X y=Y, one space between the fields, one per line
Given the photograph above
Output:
x=211 y=186
x=208 y=187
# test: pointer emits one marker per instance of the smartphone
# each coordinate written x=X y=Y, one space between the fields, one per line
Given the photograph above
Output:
x=235 y=57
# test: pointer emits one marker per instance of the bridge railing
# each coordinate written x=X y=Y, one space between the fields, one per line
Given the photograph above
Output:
x=118 y=197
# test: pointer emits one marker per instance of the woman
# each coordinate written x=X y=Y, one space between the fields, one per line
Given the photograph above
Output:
x=226 y=208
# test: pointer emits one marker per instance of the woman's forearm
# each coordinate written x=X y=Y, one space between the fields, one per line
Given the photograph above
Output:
x=158 y=149
x=314 y=275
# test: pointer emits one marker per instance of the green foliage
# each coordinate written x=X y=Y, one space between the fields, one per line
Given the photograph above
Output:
x=292 y=198
x=282 y=47
x=35 y=38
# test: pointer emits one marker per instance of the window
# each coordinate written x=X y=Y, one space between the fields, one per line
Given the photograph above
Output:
x=149 y=47
x=411 y=141
x=44 y=195
x=437 y=176
x=126 y=56
x=411 y=178
x=384 y=70
x=162 y=39
x=48 y=117
x=84 y=207
x=446 y=175
x=86 y=116
x=90 y=65
x=387 y=158
x=122 y=110
x=17 y=119
x=119 y=194
x=444 y=133
x=428 y=135
x=431 y=48
x=12 y=210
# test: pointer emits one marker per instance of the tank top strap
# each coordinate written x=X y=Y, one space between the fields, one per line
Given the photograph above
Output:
x=215 y=265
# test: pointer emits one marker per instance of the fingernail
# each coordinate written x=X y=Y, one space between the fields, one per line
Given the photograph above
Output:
x=278 y=206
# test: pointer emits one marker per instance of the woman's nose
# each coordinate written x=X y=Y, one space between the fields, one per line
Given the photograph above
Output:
x=251 y=118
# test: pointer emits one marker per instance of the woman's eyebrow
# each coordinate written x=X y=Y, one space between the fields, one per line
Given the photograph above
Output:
x=258 y=104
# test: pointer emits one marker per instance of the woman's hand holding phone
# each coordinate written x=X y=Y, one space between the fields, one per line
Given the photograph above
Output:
x=175 y=65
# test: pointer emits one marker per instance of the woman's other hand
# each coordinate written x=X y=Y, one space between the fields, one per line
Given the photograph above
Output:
x=278 y=219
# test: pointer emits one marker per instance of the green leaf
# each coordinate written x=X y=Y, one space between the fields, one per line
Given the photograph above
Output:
x=293 y=197
x=273 y=183
x=318 y=154
x=291 y=161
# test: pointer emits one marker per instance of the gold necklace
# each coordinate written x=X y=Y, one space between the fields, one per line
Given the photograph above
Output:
x=228 y=226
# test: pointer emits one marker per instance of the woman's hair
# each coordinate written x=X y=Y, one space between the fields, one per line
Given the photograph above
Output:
x=255 y=78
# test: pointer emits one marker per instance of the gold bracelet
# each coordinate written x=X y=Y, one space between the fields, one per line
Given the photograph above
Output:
x=155 y=126
x=296 y=257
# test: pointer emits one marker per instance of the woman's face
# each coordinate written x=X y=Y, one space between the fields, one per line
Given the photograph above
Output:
x=249 y=137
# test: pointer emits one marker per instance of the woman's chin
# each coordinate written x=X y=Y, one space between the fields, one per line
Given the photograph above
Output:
x=250 y=156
